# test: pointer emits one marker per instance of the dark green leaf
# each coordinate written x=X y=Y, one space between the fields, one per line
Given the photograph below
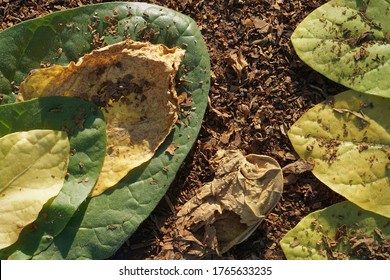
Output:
x=103 y=223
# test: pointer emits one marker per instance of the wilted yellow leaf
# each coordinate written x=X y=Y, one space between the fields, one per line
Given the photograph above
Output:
x=33 y=165
x=227 y=210
x=133 y=82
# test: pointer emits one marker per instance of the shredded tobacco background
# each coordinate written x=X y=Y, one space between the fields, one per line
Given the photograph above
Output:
x=259 y=89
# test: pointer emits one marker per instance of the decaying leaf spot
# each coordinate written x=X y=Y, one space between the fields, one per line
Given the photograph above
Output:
x=227 y=210
x=33 y=165
x=134 y=84
x=172 y=148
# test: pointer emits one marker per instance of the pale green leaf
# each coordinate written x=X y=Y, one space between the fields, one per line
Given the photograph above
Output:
x=84 y=124
x=348 y=137
x=33 y=165
x=348 y=42
x=341 y=231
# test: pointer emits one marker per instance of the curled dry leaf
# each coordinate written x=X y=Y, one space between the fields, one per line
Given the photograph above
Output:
x=133 y=82
x=238 y=62
x=227 y=210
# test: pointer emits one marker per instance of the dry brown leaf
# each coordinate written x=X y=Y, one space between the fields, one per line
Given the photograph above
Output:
x=172 y=148
x=299 y=166
x=247 y=22
x=133 y=82
x=260 y=24
x=238 y=62
x=227 y=210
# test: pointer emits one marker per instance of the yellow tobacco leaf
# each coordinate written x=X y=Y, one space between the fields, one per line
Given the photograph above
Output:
x=33 y=166
x=133 y=82
x=348 y=139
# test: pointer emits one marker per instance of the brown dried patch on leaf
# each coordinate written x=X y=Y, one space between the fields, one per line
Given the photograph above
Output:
x=134 y=84
x=172 y=148
x=227 y=210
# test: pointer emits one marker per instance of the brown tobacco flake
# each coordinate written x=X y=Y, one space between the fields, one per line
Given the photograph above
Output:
x=153 y=182
x=360 y=39
x=260 y=24
x=59 y=52
x=172 y=148
x=294 y=243
x=238 y=62
x=360 y=115
x=185 y=100
x=72 y=151
x=299 y=166
x=361 y=54
x=56 y=109
x=78 y=122
x=112 y=226
x=363 y=242
x=363 y=146
x=331 y=149
x=379 y=233
x=309 y=148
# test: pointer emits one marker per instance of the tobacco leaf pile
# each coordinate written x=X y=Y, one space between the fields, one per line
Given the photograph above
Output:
x=259 y=88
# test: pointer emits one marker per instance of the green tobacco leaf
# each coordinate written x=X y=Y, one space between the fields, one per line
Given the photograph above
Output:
x=348 y=137
x=341 y=231
x=103 y=223
x=348 y=41
x=33 y=166
x=86 y=130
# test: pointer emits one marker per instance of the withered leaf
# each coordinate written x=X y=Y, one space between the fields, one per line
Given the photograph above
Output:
x=299 y=166
x=227 y=210
x=133 y=82
x=238 y=62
